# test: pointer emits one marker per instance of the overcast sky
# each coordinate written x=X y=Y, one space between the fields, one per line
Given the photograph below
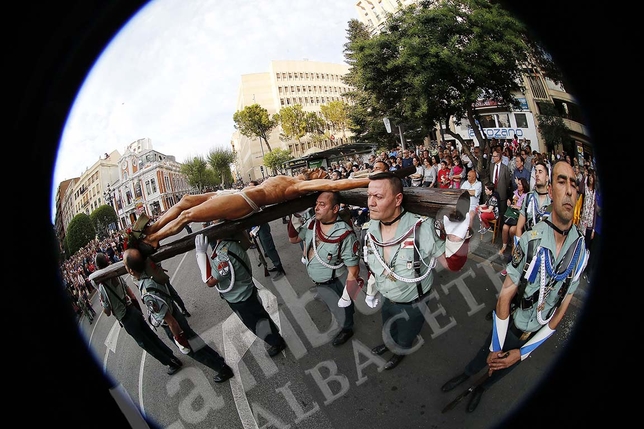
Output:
x=172 y=73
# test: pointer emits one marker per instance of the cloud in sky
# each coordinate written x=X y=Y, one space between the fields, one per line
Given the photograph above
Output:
x=173 y=71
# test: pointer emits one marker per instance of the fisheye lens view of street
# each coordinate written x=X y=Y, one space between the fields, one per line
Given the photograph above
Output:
x=326 y=214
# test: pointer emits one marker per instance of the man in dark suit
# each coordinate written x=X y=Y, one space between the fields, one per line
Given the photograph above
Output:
x=500 y=176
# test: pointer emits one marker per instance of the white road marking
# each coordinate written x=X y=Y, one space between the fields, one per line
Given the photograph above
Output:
x=235 y=346
x=110 y=342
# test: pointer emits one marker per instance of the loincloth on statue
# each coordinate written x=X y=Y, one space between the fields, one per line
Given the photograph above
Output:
x=255 y=208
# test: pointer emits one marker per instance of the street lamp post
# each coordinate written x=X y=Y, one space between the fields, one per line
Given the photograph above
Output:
x=387 y=122
x=261 y=167
x=109 y=198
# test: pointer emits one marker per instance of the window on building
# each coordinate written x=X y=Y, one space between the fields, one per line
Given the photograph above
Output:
x=153 y=183
x=138 y=193
x=278 y=76
x=504 y=120
x=521 y=119
x=487 y=121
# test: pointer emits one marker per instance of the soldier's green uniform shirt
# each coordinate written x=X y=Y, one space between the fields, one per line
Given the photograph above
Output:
x=223 y=264
x=402 y=257
x=526 y=320
x=114 y=297
x=155 y=296
x=328 y=252
x=532 y=211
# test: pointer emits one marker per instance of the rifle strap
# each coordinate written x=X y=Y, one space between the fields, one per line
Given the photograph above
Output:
x=241 y=261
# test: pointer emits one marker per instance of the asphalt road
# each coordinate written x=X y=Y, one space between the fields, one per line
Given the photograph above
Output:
x=313 y=384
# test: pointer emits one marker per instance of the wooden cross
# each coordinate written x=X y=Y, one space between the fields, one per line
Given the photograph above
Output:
x=430 y=202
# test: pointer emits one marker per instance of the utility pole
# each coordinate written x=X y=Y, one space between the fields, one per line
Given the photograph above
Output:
x=402 y=139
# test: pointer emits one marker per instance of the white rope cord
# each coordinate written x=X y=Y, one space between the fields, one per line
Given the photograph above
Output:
x=542 y=293
x=390 y=272
x=315 y=252
x=395 y=240
x=548 y=270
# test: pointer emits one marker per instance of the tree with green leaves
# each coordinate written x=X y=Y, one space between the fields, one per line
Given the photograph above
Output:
x=198 y=174
x=336 y=114
x=220 y=160
x=292 y=119
x=365 y=117
x=552 y=127
x=433 y=61
x=277 y=158
x=254 y=122
x=102 y=218
x=316 y=125
x=80 y=232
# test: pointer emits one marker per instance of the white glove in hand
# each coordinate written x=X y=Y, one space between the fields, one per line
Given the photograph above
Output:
x=297 y=221
x=344 y=302
x=201 y=243
x=183 y=349
x=371 y=301
x=458 y=229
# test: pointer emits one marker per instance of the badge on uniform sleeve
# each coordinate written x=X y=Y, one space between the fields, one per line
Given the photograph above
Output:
x=153 y=306
x=356 y=246
x=517 y=256
x=223 y=268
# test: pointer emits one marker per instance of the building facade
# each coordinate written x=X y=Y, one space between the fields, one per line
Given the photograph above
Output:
x=310 y=84
x=142 y=180
x=148 y=182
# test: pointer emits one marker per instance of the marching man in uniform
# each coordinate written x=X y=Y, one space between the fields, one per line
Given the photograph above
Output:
x=541 y=280
x=228 y=270
x=164 y=312
x=401 y=250
x=330 y=250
